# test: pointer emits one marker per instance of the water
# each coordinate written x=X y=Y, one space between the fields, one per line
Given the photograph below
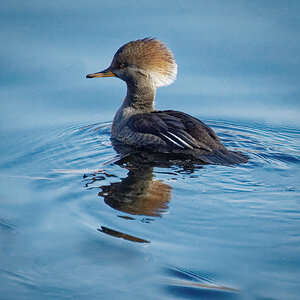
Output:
x=214 y=231
x=75 y=225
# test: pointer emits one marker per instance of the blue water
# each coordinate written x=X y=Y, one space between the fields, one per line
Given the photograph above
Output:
x=75 y=225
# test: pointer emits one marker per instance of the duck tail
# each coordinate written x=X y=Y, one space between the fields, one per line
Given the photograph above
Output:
x=223 y=157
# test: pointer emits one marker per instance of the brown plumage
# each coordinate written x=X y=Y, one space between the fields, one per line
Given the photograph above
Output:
x=149 y=55
x=145 y=65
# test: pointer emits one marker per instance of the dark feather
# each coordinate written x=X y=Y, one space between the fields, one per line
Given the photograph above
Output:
x=176 y=129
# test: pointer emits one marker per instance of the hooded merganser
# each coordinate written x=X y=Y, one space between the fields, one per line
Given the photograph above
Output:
x=145 y=65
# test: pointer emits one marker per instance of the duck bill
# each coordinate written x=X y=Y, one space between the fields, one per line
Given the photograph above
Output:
x=104 y=73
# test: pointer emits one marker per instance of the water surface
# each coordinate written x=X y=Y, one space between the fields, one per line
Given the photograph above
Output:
x=74 y=225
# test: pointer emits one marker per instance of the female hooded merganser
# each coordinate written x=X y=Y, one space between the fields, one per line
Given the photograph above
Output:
x=145 y=65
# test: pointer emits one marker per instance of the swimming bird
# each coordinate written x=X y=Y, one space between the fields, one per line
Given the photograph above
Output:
x=145 y=65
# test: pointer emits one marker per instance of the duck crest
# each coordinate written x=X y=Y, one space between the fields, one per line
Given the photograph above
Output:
x=152 y=56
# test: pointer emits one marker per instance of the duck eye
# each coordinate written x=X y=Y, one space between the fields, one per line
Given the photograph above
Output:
x=122 y=66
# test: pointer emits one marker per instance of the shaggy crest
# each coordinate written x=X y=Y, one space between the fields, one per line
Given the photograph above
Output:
x=152 y=56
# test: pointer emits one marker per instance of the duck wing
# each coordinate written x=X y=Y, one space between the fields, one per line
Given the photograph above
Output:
x=176 y=129
x=197 y=129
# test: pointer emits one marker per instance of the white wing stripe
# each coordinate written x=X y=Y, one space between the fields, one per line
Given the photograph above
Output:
x=172 y=140
x=181 y=140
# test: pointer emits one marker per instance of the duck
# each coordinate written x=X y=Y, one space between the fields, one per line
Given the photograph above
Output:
x=145 y=65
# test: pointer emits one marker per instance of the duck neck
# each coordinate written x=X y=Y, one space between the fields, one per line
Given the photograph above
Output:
x=140 y=96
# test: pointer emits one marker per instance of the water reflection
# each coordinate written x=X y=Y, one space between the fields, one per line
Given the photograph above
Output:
x=122 y=235
x=138 y=194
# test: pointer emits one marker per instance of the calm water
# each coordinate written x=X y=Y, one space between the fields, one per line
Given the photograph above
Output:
x=75 y=225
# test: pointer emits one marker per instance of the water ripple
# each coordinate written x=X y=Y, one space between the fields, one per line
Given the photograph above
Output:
x=226 y=221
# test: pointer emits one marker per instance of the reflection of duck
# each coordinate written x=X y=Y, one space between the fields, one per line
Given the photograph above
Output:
x=138 y=193
x=146 y=65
